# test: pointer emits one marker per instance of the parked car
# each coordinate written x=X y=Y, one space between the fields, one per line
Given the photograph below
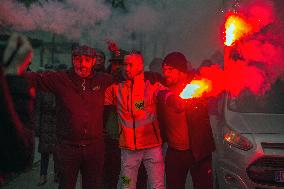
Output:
x=249 y=136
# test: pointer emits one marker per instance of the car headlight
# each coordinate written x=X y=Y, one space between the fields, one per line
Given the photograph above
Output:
x=235 y=139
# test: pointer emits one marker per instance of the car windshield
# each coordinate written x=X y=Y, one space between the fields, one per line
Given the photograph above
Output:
x=271 y=102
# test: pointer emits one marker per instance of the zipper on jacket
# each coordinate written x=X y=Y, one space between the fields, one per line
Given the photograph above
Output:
x=83 y=84
x=127 y=106
x=131 y=101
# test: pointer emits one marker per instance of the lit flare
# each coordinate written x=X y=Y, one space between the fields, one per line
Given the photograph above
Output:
x=195 y=89
x=235 y=28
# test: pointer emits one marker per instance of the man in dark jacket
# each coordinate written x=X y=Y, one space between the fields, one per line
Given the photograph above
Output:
x=188 y=133
x=80 y=101
x=112 y=151
x=45 y=110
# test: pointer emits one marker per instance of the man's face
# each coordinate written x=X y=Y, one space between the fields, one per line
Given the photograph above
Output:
x=100 y=63
x=115 y=67
x=172 y=75
x=100 y=58
x=83 y=65
x=132 y=66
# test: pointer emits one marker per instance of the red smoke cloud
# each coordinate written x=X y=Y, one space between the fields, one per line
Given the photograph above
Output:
x=237 y=77
x=256 y=60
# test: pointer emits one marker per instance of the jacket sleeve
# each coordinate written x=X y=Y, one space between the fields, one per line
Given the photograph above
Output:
x=165 y=96
x=8 y=114
x=170 y=99
x=109 y=95
x=16 y=135
x=45 y=81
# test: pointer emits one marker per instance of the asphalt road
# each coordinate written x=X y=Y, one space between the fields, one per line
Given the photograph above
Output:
x=30 y=178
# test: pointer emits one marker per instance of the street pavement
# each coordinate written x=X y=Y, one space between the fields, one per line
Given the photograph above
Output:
x=29 y=178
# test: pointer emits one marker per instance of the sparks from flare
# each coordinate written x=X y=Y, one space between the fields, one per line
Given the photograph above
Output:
x=195 y=89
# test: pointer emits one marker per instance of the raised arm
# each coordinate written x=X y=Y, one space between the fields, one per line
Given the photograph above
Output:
x=45 y=81
x=15 y=95
x=17 y=55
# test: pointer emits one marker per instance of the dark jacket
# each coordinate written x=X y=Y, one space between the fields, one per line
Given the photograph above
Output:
x=46 y=116
x=200 y=132
x=16 y=124
x=198 y=129
x=79 y=101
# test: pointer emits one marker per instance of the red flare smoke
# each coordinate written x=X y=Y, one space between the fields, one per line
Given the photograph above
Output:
x=237 y=77
x=253 y=55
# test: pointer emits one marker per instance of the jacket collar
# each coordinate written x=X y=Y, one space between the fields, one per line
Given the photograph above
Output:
x=136 y=79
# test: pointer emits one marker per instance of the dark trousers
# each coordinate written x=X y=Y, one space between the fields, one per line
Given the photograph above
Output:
x=112 y=167
x=179 y=162
x=44 y=161
x=87 y=159
x=112 y=163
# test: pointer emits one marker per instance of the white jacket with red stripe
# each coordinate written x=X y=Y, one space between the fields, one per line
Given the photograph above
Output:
x=135 y=102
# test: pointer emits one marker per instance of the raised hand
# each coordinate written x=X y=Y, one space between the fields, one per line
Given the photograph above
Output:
x=17 y=55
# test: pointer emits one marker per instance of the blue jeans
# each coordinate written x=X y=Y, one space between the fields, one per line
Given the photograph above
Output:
x=152 y=159
x=112 y=166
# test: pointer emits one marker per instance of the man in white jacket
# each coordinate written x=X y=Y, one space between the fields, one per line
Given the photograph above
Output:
x=139 y=134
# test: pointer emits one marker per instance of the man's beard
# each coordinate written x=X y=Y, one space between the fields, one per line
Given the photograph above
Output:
x=131 y=76
x=170 y=82
x=83 y=72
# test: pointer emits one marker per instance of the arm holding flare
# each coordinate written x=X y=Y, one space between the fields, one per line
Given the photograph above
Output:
x=169 y=98
x=195 y=89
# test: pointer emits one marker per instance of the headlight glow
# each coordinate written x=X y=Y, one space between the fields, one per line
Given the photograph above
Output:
x=236 y=139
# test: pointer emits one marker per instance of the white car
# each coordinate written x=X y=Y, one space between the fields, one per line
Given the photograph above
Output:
x=249 y=136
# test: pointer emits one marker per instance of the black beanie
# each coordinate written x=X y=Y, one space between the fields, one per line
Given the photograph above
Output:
x=176 y=60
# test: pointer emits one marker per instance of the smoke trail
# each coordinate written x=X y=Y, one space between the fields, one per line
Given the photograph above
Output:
x=257 y=60
x=69 y=18
x=259 y=13
x=154 y=27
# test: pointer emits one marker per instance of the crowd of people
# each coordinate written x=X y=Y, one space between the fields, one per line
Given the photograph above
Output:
x=108 y=124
